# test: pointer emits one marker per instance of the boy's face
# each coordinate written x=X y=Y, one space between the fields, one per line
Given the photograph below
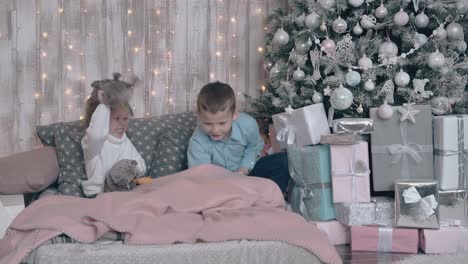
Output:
x=218 y=125
x=118 y=121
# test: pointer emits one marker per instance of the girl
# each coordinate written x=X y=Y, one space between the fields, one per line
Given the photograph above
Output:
x=106 y=142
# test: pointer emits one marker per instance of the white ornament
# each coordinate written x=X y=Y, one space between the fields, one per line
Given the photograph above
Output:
x=327 y=4
x=323 y=27
x=368 y=21
x=401 y=18
x=419 y=40
x=352 y=78
x=454 y=31
x=419 y=85
x=421 y=20
x=369 y=85
x=359 y=109
x=317 y=97
x=274 y=71
x=355 y=3
x=312 y=21
x=408 y=112
x=281 y=37
x=364 y=62
x=381 y=11
x=341 y=98
x=402 y=79
x=388 y=49
x=339 y=25
x=267 y=64
x=301 y=47
x=357 y=29
x=328 y=45
x=309 y=42
x=298 y=75
x=440 y=32
x=300 y=20
x=435 y=60
x=462 y=7
x=385 y=111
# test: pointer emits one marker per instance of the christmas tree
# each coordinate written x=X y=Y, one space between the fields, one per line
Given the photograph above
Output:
x=356 y=54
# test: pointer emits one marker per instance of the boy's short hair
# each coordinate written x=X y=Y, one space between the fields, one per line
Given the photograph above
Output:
x=216 y=97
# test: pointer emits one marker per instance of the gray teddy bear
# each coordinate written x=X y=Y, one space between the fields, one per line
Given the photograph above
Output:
x=121 y=176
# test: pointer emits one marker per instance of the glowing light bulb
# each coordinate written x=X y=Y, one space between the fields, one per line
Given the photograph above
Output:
x=37 y=95
x=70 y=46
x=129 y=11
x=60 y=10
x=218 y=53
x=233 y=19
x=153 y=93
x=156 y=72
x=129 y=33
x=69 y=67
x=212 y=75
x=260 y=49
x=45 y=34
x=81 y=117
x=263 y=88
x=44 y=54
x=158 y=12
x=44 y=76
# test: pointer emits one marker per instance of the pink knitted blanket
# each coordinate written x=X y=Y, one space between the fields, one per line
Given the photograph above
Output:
x=202 y=204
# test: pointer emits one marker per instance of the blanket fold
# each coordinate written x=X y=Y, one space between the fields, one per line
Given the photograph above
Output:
x=202 y=204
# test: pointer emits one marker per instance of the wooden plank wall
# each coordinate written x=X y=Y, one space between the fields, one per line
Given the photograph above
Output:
x=51 y=50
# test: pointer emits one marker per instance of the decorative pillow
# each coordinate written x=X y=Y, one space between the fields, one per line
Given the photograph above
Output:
x=40 y=172
x=171 y=154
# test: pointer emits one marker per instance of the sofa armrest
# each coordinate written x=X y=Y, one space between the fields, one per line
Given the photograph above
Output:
x=28 y=172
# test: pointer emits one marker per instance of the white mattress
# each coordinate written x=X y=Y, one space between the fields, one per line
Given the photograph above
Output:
x=230 y=252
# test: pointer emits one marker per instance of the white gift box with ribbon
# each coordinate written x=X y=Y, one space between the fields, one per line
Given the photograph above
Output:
x=10 y=207
x=416 y=203
x=301 y=127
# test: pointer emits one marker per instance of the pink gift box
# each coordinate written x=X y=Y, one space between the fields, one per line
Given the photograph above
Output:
x=445 y=240
x=337 y=233
x=384 y=239
x=350 y=173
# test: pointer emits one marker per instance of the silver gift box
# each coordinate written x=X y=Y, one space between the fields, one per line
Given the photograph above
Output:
x=417 y=203
x=353 y=126
x=380 y=211
x=453 y=208
x=342 y=139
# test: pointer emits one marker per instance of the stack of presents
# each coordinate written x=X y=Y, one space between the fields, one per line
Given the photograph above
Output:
x=418 y=160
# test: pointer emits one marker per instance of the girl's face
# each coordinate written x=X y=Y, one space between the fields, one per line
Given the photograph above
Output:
x=119 y=120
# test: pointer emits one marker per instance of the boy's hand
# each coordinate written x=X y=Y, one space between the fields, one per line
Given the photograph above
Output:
x=243 y=171
x=143 y=180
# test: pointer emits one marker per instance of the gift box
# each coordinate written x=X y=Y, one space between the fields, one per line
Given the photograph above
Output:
x=350 y=173
x=401 y=148
x=451 y=151
x=380 y=211
x=445 y=240
x=337 y=233
x=416 y=203
x=353 y=126
x=384 y=239
x=311 y=195
x=453 y=208
x=302 y=126
x=10 y=207
x=342 y=139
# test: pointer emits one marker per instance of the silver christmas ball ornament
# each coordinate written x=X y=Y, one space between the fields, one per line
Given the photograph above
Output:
x=323 y=27
x=388 y=49
x=369 y=85
x=364 y=62
x=385 y=111
x=401 y=18
x=440 y=32
x=298 y=74
x=301 y=47
x=421 y=20
x=327 y=4
x=462 y=7
x=419 y=40
x=454 y=31
x=312 y=21
x=300 y=20
x=267 y=64
x=281 y=37
x=274 y=71
x=440 y=105
x=402 y=79
x=381 y=11
x=357 y=29
x=328 y=45
x=352 y=78
x=317 y=97
x=339 y=25
x=355 y=3
x=461 y=46
x=341 y=98
x=435 y=60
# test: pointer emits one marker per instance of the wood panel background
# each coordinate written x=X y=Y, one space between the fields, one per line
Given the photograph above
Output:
x=51 y=50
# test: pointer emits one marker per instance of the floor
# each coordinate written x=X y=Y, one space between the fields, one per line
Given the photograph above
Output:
x=361 y=257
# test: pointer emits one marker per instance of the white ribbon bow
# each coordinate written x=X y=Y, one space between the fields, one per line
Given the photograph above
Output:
x=399 y=150
x=286 y=133
x=428 y=203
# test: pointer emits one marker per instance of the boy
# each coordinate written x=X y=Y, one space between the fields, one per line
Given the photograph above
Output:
x=230 y=139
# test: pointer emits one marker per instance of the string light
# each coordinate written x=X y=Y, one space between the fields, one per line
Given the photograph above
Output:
x=234 y=35
x=129 y=11
x=149 y=52
x=81 y=117
x=136 y=49
x=218 y=53
x=156 y=72
x=212 y=75
x=67 y=91
x=45 y=34
x=158 y=12
x=260 y=49
x=70 y=46
x=69 y=67
x=233 y=19
x=153 y=93
x=129 y=33
x=44 y=76
x=263 y=88
x=44 y=54
x=60 y=10
x=37 y=95
x=220 y=17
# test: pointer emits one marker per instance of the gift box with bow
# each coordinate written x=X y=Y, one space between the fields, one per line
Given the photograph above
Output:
x=384 y=239
x=350 y=173
x=401 y=147
x=311 y=195
x=302 y=126
x=416 y=203
x=380 y=211
x=451 y=151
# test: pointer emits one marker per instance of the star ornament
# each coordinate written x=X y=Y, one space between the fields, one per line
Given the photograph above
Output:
x=327 y=91
x=408 y=113
x=289 y=110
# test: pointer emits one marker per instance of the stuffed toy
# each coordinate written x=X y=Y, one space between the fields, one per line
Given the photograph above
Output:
x=123 y=176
